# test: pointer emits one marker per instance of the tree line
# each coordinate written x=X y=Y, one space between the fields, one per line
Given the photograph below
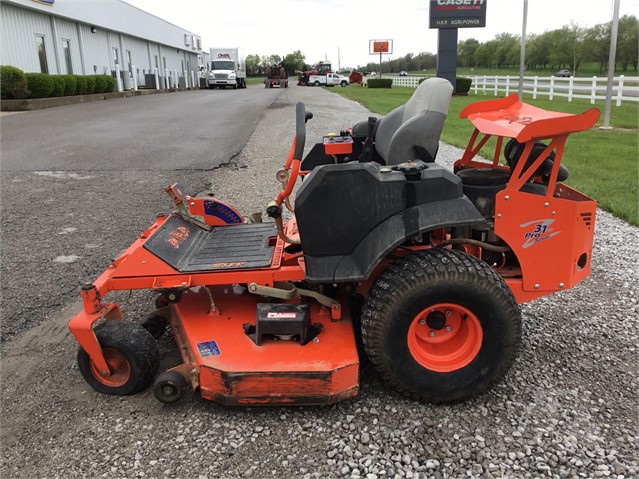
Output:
x=568 y=47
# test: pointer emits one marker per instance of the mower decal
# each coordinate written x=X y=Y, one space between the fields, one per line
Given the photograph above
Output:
x=178 y=236
x=222 y=211
x=235 y=264
x=281 y=315
x=208 y=348
x=522 y=120
x=539 y=232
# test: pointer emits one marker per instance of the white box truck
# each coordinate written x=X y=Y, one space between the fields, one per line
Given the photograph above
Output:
x=226 y=67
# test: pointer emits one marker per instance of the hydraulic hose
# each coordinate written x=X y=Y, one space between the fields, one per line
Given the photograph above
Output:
x=486 y=246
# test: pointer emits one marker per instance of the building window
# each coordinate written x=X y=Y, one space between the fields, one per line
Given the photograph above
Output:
x=116 y=57
x=199 y=44
x=66 y=48
x=42 y=53
x=128 y=60
x=182 y=66
x=164 y=62
x=157 y=65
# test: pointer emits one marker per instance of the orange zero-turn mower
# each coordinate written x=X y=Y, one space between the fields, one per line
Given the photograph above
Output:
x=429 y=265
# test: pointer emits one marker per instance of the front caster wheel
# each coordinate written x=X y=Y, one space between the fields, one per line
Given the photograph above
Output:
x=131 y=354
x=169 y=387
x=441 y=326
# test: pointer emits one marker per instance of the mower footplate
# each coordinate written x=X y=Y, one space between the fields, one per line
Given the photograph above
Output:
x=233 y=370
x=189 y=248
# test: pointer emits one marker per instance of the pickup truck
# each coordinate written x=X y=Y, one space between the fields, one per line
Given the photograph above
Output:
x=330 y=79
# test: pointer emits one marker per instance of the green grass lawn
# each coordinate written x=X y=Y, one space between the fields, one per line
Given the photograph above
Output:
x=256 y=80
x=603 y=163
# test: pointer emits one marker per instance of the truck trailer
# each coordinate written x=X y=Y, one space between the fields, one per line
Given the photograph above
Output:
x=227 y=67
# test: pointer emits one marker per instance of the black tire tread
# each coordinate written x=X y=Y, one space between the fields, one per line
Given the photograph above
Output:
x=136 y=344
x=420 y=268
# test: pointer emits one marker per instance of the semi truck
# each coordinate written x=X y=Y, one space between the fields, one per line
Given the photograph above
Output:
x=226 y=68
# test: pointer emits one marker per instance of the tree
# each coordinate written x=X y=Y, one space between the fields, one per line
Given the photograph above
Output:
x=264 y=63
x=627 y=41
x=294 y=62
x=252 y=64
x=506 y=49
x=562 y=50
x=466 y=52
x=486 y=53
x=537 y=50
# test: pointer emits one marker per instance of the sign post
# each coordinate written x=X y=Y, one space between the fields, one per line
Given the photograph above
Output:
x=447 y=16
x=381 y=47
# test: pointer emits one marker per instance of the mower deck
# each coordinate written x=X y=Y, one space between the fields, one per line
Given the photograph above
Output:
x=234 y=370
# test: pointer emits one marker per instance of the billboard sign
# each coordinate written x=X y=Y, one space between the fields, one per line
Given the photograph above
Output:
x=457 y=13
x=380 y=46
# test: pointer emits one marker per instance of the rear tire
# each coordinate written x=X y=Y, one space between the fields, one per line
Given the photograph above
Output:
x=441 y=326
x=316 y=83
x=131 y=353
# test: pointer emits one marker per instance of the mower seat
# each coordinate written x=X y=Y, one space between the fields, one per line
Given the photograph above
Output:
x=412 y=131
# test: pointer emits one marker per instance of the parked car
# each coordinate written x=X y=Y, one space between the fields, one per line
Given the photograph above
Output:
x=403 y=74
x=563 y=73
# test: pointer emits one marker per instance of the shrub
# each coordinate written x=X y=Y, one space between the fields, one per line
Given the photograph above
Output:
x=13 y=83
x=100 y=83
x=70 y=84
x=40 y=85
x=379 y=82
x=81 y=87
x=462 y=85
x=58 y=85
x=110 y=83
x=90 y=84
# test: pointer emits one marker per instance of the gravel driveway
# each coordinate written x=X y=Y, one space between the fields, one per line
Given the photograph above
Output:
x=568 y=408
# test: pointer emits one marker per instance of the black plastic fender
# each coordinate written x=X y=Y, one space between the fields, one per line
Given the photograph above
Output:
x=380 y=241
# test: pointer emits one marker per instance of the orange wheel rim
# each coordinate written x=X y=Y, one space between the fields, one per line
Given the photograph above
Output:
x=118 y=366
x=445 y=337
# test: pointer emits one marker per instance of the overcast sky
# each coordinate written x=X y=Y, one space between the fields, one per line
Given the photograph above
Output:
x=319 y=28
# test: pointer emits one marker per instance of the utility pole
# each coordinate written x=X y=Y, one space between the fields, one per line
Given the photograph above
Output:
x=611 y=65
x=522 y=55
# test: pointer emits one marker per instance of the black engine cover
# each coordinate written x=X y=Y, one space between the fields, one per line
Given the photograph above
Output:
x=349 y=216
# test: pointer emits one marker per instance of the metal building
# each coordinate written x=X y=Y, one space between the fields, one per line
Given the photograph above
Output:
x=88 y=37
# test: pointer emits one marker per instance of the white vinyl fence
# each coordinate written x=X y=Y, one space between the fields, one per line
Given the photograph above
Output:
x=408 y=81
x=594 y=88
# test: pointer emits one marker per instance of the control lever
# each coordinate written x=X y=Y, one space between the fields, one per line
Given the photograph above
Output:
x=369 y=145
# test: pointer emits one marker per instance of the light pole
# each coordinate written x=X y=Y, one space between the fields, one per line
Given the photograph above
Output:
x=574 y=55
x=522 y=55
x=611 y=64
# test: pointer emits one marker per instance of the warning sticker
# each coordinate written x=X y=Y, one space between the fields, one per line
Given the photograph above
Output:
x=209 y=348
x=281 y=315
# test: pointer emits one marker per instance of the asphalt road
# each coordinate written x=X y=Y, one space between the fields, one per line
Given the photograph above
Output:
x=198 y=129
